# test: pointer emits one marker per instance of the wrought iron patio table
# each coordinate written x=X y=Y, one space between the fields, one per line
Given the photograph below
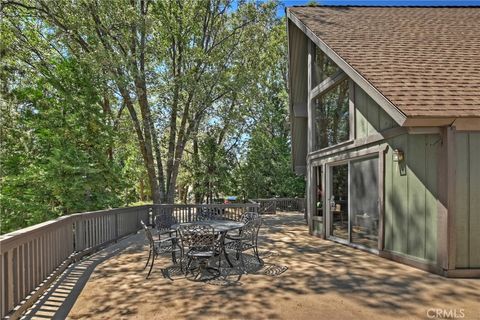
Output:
x=220 y=226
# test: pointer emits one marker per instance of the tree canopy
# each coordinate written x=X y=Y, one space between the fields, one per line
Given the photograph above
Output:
x=107 y=103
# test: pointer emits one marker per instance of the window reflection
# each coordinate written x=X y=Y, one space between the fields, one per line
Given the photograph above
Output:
x=323 y=67
x=364 y=201
x=332 y=116
x=339 y=202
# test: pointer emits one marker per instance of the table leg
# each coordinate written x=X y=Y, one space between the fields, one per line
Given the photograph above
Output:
x=227 y=258
x=174 y=257
x=225 y=251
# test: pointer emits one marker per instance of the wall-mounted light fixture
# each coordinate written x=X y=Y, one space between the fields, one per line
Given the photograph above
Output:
x=398 y=155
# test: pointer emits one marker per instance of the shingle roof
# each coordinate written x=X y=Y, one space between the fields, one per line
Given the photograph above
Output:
x=425 y=60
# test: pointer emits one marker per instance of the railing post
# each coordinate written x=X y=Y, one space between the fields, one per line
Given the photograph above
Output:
x=116 y=226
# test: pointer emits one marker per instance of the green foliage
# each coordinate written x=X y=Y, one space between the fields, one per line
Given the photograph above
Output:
x=54 y=149
x=105 y=103
x=312 y=3
x=254 y=161
x=266 y=170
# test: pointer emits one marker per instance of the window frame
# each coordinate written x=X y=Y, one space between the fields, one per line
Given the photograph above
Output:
x=347 y=158
x=323 y=88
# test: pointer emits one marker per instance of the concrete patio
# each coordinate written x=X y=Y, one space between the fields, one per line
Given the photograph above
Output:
x=303 y=277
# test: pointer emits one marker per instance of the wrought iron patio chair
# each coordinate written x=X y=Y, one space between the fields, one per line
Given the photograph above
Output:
x=247 y=239
x=163 y=226
x=207 y=214
x=248 y=216
x=244 y=218
x=200 y=243
x=157 y=247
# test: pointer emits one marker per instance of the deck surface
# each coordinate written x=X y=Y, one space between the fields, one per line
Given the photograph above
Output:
x=303 y=277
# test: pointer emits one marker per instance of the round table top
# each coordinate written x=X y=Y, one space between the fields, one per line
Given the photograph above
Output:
x=218 y=225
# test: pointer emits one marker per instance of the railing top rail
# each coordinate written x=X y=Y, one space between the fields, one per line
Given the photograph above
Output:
x=26 y=233
x=29 y=232
x=90 y=214
x=209 y=205
x=37 y=227
x=271 y=199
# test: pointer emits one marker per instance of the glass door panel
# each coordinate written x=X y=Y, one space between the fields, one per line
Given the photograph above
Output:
x=338 y=201
x=319 y=206
x=364 y=201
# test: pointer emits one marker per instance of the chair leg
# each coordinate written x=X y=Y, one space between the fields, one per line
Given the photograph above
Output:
x=151 y=266
x=188 y=266
x=227 y=258
x=242 y=261
x=148 y=260
x=255 y=250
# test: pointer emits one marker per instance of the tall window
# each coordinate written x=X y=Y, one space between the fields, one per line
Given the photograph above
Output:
x=332 y=124
x=323 y=67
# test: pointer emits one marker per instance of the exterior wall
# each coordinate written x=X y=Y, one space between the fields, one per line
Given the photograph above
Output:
x=411 y=197
x=370 y=118
x=431 y=201
x=298 y=93
x=467 y=200
x=410 y=189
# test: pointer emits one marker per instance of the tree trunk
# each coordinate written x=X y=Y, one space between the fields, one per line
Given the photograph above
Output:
x=147 y=160
x=146 y=115
x=108 y=113
x=196 y=165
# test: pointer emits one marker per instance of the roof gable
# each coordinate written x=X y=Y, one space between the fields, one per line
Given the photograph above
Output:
x=424 y=61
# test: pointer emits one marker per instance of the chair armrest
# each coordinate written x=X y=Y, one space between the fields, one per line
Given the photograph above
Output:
x=234 y=237
x=165 y=240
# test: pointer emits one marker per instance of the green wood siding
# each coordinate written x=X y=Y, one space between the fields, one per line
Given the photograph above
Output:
x=467 y=199
x=370 y=118
x=411 y=194
x=411 y=197
x=432 y=145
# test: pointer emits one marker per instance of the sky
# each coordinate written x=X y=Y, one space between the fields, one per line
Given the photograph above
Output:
x=385 y=3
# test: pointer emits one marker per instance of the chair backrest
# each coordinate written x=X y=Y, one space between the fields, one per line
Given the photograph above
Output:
x=148 y=234
x=203 y=214
x=164 y=222
x=206 y=214
x=198 y=237
x=250 y=230
x=248 y=216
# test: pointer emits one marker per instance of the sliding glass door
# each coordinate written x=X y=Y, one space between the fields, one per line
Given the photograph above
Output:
x=353 y=201
x=364 y=201
x=338 y=201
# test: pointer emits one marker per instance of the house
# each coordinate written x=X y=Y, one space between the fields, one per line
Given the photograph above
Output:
x=385 y=112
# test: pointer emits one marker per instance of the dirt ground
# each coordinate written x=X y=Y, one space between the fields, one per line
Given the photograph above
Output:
x=302 y=278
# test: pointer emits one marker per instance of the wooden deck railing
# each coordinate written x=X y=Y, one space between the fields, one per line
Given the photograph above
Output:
x=271 y=205
x=32 y=258
x=193 y=212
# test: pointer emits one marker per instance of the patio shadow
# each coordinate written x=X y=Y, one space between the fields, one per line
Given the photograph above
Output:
x=303 y=277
